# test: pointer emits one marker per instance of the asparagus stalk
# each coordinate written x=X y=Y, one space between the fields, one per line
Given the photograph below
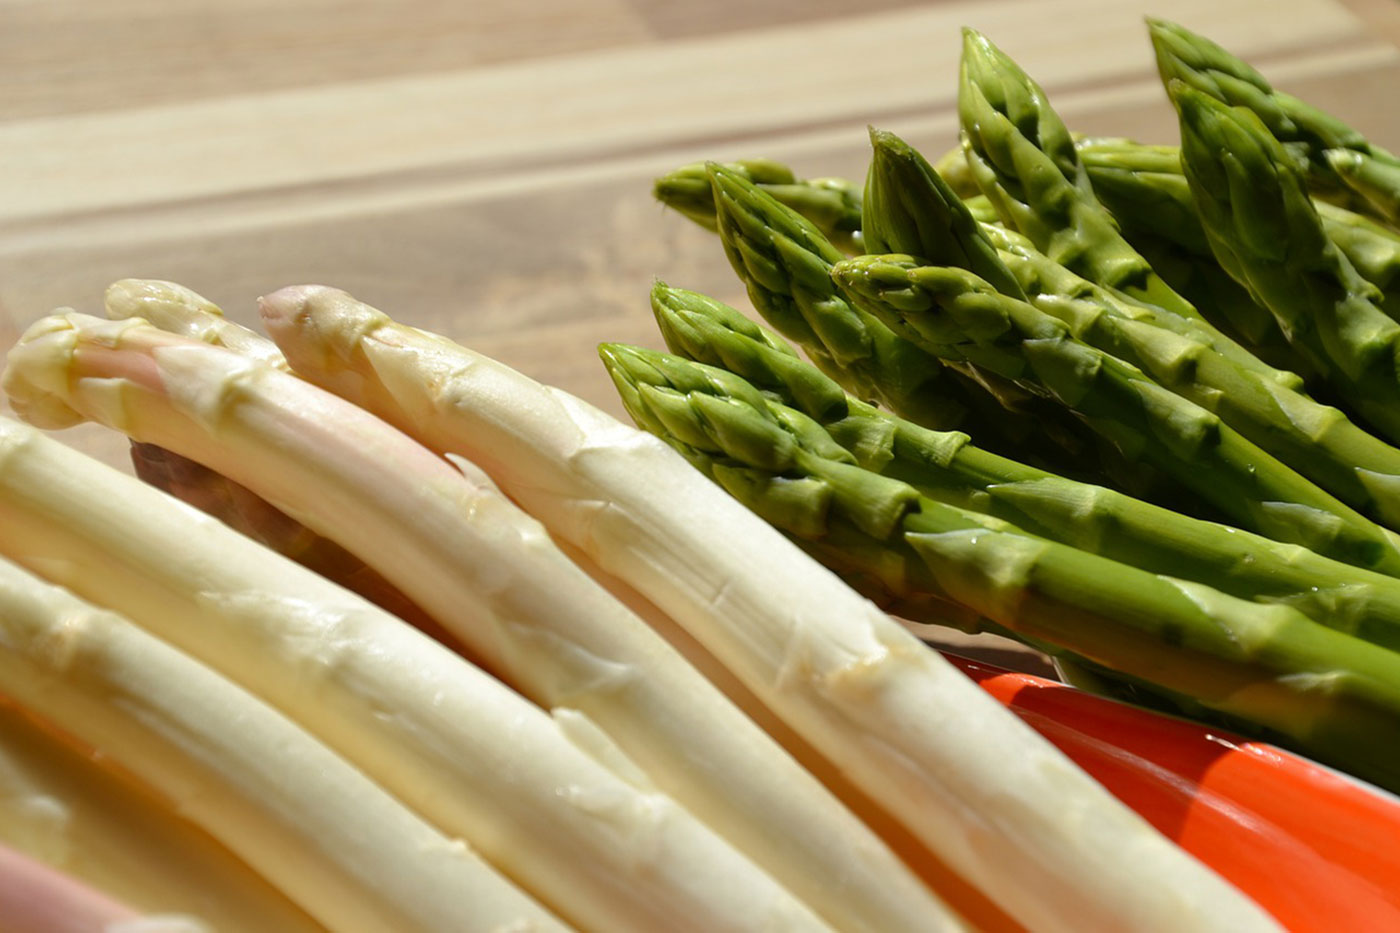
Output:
x=1207 y=68
x=1317 y=440
x=188 y=318
x=1374 y=180
x=179 y=310
x=1023 y=159
x=335 y=842
x=1004 y=809
x=952 y=312
x=62 y=805
x=175 y=308
x=909 y=208
x=1146 y=190
x=473 y=560
x=948 y=468
x=1265 y=232
x=786 y=265
x=952 y=167
x=832 y=205
x=1331 y=694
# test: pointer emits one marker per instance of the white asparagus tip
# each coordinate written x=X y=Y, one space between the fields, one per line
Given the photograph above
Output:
x=129 y=297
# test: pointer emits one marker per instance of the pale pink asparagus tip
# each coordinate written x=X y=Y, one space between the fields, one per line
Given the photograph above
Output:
x=286 y=303
x=34 y=896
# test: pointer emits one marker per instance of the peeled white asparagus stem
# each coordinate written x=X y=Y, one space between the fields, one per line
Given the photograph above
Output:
x=179 y=310
x=999 y=803
x=354 y=857
x=60 y=804
x=567 y=642
x=549 y=800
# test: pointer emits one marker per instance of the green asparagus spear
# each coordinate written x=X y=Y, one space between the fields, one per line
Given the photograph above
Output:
x=1266 y=233
x=1145 y=189
x=947 y=467
x=1317 y=440
x=951 y=312
x=786 y=264
x=909 y=208
x=784 y=261
x=1374 y=181
x=947 y=398
x=1142 y=186
x=1308 y=133
x=1024 y=160
x=1334 y=696
x=832 y=205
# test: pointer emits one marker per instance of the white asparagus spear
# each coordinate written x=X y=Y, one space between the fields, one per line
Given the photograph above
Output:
x=336 y=843
x=536 y=795
x=664 y=714
x=63 y=805
x=1004 y=807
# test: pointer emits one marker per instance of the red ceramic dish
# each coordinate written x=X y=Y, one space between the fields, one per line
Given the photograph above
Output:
x=1316 y=849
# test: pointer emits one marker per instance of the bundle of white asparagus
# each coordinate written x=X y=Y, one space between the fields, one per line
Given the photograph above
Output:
x=647 y=710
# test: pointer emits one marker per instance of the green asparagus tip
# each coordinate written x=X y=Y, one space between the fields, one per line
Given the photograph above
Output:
x=723 y=179
x=652 y=367
x=616 y=357
x=977 y=46
x=1182 y=53
x=884 y=139
x=700 y=407
x=1200 y=110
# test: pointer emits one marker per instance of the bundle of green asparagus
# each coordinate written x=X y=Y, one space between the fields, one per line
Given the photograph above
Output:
x=1165 y=381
